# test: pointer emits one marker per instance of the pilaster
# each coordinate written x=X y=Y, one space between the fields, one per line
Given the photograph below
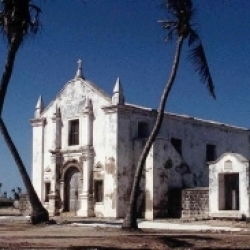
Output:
x=38 y=155
x=56 y=129
x=86 y=197
x=54 y=195
x=87 y=125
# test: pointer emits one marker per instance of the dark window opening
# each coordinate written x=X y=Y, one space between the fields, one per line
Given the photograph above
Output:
x=177 y=144
x=210 y=152
x=229 y=191
x=98 y=190
x=143 y=130
x=73 y=132
x=47 y=191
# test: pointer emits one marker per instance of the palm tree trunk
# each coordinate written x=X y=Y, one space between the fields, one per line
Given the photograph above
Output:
x=8 y=68
x=39 y=213
x=130 y=221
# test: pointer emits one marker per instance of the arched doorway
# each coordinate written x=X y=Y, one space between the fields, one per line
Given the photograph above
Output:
x=72 y=189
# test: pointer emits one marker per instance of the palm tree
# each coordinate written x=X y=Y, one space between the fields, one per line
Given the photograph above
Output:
x=18 y=20
x=181 y=13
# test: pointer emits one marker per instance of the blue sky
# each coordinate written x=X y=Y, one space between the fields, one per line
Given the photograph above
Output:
x=122 y=38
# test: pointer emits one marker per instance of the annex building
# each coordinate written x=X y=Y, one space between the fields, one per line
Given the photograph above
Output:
x=86 y=144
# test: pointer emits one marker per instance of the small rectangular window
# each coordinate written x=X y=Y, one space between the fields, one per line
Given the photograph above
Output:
x=74 y=132
x=143 y=130
x=47 y=191
x=98 y=190
x=177 y=144
x=210 y=152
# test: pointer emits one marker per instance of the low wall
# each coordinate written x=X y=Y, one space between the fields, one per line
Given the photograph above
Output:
x=195 y=203
x=189 y=203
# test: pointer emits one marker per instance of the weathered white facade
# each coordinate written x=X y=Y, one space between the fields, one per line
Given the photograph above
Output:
x=86 y=145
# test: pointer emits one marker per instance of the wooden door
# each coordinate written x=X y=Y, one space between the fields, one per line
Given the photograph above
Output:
x=74 y=189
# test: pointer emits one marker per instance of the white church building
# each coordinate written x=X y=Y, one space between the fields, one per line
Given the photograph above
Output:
x=86 y=144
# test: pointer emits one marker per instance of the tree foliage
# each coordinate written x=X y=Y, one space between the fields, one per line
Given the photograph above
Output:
x=181 y=14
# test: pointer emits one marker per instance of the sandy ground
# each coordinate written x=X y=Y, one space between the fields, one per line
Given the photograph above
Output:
x=17 y=233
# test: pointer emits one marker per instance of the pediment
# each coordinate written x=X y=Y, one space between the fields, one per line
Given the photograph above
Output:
x=227 y=157
x=72 y=98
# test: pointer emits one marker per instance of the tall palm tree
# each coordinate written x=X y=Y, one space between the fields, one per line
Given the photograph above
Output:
x=18 y=20
x=181 y=14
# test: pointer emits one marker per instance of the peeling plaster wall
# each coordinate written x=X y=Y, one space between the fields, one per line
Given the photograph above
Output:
x=71 y=101
x=138 y=145
x=163 y=151
x=195 y=134
x=117 y=148
x=37 y=161
x=129 y=149
x=109 y=208
x=126 y=165
x=189 y=169
x=158 y=177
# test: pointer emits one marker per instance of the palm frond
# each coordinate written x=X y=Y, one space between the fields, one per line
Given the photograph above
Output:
x=167 y=24
x=193 y=38
x=19 y=17
x=169 y=36
x=198 y=59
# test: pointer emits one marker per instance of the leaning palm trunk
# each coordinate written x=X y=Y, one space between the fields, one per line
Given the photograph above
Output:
x=39 y=213
x=130 y=221
x=8 y=68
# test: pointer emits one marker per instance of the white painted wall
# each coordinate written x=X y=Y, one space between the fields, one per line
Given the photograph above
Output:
x=38 y=156
x=117 y=147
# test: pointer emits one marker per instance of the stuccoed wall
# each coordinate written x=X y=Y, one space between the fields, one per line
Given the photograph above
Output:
x=157 y=180
x=188 y=170
x=117 y=146
x=110 y=168
x=195 y=134
x=71 y=101
x=126 y=164
x=128 y=151
x=38 y=156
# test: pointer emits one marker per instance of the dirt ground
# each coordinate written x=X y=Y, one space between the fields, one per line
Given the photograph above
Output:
x=18 y=234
